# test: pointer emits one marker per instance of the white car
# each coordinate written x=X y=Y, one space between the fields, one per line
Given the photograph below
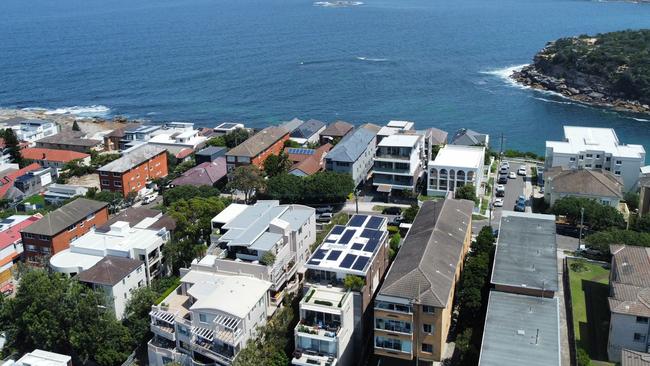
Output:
x=522 y=171
x=498 y=202
x=148 y=199
x=512 y=175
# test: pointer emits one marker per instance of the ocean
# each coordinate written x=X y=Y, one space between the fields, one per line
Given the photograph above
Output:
x=438 y=63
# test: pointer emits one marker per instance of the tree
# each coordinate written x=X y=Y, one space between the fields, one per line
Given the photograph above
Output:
x=236 y=137
x=216 y=141
x=596 y=215
x=193 y=217
x=603 y=239
x=136 y=313
x=410 y=213
x=75 y=126
x=354 y=283
x=277 y=164
x=286 y=188
x=114 y=199
x=642 y=224
x=13 y=145
x=632 y=200
x=246 y=179
x=328 y=187
x=394 y=245
x=268 y=348
x=186 y=192
x=466 y=192
x=268 y=259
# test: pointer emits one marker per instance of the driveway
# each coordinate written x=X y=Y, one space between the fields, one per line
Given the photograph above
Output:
x=514 y=189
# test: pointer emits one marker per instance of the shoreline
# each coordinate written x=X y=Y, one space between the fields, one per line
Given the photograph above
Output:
x=530 y=77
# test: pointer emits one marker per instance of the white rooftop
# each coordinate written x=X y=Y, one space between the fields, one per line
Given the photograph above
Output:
x=12 y=221
x=403 y=125
x=43 y=358
x=229 y=213
x=460 y=156
x=577 y=139
x=235 y=295
x=400 y=140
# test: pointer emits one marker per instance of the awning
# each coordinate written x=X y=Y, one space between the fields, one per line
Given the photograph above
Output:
x=204 y=333
x=164 y=316
x=384 y=188
x=227 y=321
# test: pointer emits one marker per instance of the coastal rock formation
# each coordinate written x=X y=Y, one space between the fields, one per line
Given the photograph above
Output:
x=609 y=70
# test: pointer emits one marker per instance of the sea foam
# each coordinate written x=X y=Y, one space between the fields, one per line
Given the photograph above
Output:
x=81 y=111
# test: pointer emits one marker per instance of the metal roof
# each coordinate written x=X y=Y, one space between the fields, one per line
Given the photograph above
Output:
x=526 y=253
x=308 y=129
x=634 y=358
x=352 y=146
x=521 y=330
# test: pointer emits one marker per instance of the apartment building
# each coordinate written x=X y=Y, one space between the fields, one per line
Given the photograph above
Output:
x=358 y=249
x=52 y=158
x=596 y=148
x=267 y=240
x=72 y=141
x=596 y=184
x=178 y=139
x=255 y=150
x=394 y=127
x=399 y=163
x=629 y=286
x=8 y=178
x=354 y=155
x=11 y=242
x=227 y=127
x=413 y=307
x=131 y=172
x=59 y=228
x=456 y=166
x=116 y=278
x=31 y=130
x=323 y=333
x=138 y=234
x=208 y=319
x=40 y=358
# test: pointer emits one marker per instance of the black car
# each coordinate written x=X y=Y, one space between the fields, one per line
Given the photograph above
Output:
x=391 y=211
x=503 y=179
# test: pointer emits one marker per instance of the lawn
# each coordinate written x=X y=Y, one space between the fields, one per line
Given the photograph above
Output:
x=36 y=199
x=422 y=197
x=589 y=290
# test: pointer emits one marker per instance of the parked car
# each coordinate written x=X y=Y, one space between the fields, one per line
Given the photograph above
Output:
x=324 y=209
x=504 y=170
x=324 y=217
x=506 y=164
x=512 y=175
x=392 y=211
x=396 y=221
x=498 y=202
x=149 y=198
x=522 y=170
x=503 y=179
x=501 y=190
x=520 y=205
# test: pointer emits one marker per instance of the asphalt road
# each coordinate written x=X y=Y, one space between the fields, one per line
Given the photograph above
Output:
x=514 y=189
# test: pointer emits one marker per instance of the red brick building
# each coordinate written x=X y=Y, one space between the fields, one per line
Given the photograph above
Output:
x=54 y=232
x=269 y=141
x=134 y=169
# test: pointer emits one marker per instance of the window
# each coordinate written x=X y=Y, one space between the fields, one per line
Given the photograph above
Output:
x=587 y=165
x=115 y=174
x=619 y=162
x=617 y=172
x=638 y=337
x=72 y=227
x=117 y=183
x=608 y=159
x=428 y=309
x=103 y=174
x=572 y=159
x=105 y=182
x=31 y=248
x=426 y=347
x=589 y=155
x=642 y=319
x=608 y=169
x=427 y=328
x=29 y=236
x=597 y=156
x=391 y=306
x=45 y=250
x=203 y=318
x=90 y=217
x=599 y=166
x=581 y=157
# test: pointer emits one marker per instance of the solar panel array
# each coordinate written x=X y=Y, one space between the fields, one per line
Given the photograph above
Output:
x=372 y=244
x=348 y=260
x=299 y=151
x=375 y=222
x=334 y=255
x=337 y=229
x=347 y=235
x=360 y=263
x=357 y=220
x=357 y=246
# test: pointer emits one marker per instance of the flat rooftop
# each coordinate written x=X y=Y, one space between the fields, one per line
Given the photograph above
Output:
x=521 y=330
x=460 y=156
x=133 y=158
x=399 y=140
x=526 y=253
x=577 y=139
x=350 y=249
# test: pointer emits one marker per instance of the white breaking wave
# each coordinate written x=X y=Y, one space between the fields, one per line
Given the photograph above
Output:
x=337 y=4
x=81 y=111
x=640 y=119
x=506 y=73
x=372 y=59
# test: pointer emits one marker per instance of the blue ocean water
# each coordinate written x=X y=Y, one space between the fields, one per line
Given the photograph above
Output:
x=438 y=63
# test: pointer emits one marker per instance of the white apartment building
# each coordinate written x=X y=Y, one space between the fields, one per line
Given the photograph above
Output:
x=354 y=154
x=208 y=319
x=57 y=193
x=267 y=240
x=399 y=162
x=394 y=127
x=596 y=148
x=456 y=166
x=116 y=278
x=35 y=129
x=41 y=358
x=121 y=240
x=323 y=334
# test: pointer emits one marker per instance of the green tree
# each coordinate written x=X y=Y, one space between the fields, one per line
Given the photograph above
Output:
x=328 y=187
x=216 y=141
x=136 y=313
x=268 y=348
x=632 y=200
x=603 y=239
x=246 y=179
x=193 y=217
x=114 y=199
x=287 y=188
x=642 y=224
x=236 y=137
x=13 y=145
x=410 y=213
x=75 y=126
x=354 y=283
x=466 y=192
x=275 y=165
x=268 y=259
x=596 y=215
x=186 y=192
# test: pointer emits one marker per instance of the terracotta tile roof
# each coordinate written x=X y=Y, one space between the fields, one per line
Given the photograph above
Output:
x=63 y=156
x=313 y=163
x=337 y=129
x=184 y=153
x=595 y=182
x=7 y=181
x=259 y=142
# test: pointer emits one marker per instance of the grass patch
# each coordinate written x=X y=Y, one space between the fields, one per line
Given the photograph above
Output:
x=170 y=289
x=589 y=291
x=340 y=218
x=36 y=199
x=379 y=208
x=422 y=197
x=478 y=217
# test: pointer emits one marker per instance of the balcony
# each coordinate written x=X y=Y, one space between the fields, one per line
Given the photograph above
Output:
x=162 y=347
x=308 y=358
x=325 y=331
x=163 y=329
x=401 y=183
x=214 y=351
x=378 y=170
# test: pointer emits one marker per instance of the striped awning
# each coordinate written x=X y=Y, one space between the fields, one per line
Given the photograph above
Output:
x=163 y=316
x=204 y=333
x=227 y=321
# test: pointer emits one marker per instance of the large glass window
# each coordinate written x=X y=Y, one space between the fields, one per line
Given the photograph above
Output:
x=393 y=325
x=394 y=344
x=392 y=306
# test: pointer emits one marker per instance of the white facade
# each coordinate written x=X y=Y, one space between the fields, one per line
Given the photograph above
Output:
x=121 y=240
x=596 y=148
x=456 y=166
x=627 y=331
x=399 y=161
x=211 y=315
x=57 y=193
x=42 y=358
x=243 y=235
x=120 y=293
x=32 y=130
x=325 y=328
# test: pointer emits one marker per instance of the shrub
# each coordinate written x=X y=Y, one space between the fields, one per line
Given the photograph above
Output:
x=354 y=283
x=582 y=357
x=267 y=259
x=579 y=266
x=393 y=229
x=321 y=302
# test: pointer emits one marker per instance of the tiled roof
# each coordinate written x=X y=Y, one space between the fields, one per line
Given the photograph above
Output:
x=63 y=156
x=204 y=174
x=259 y=142
x=109 y=270
x=184 y=153
x=337 y=129
x=59 y=219
x=425 y=266
x=313 y=163
x=7 y=181
x=468 y=137
x=135 y=215
x=630 y=280
x=69 y=138
x=594 y=182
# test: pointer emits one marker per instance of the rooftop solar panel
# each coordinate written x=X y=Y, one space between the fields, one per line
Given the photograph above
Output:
x=370 y=247
x=347 y=235
x=300 y=151
x=374 y=222
x=319 y=254
x=334 y=255
x=367 y=233
x=338 y=229
x=348 y=260
x=314 y=262
x=357 y=246
x=357 y=220
x=360 y=264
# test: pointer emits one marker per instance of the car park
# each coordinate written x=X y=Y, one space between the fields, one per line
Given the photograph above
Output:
x=498 y=202
x=512 y=175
